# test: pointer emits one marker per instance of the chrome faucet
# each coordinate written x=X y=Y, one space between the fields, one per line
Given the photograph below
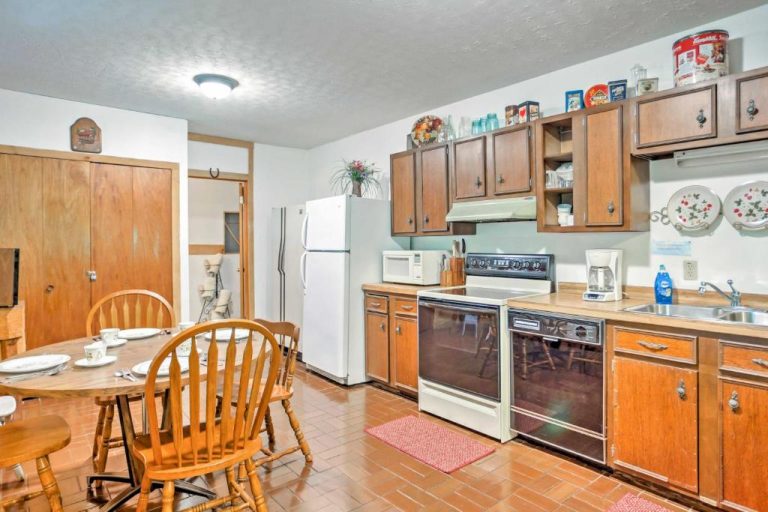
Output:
x=734 y=297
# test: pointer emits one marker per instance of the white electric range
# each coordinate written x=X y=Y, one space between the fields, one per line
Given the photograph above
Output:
x=464 y=343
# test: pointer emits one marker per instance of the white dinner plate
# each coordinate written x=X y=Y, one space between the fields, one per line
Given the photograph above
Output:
x=138 y=334
x=33 y=363
x=226 y=334
x=84 y=363
x=118 y=342
x=143 y=367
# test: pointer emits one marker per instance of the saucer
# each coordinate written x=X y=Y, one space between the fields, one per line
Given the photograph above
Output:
x=119 y=342
x=84 y=363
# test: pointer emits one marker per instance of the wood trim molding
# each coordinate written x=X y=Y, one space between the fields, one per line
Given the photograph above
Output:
x=205 y=249
x=222 y=141
x=204 y=174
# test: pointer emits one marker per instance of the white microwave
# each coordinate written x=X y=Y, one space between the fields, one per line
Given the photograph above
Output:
x=412 y=267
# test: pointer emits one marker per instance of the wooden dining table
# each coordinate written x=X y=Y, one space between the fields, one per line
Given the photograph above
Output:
x=74 y=381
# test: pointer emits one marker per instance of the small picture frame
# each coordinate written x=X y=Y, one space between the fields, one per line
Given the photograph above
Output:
x=647 y=86
x=574 y=100
x=617 y=90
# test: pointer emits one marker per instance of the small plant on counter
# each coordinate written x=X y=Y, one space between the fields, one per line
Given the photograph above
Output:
x=362 y=176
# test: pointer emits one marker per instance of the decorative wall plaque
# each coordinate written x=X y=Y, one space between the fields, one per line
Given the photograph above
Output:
x=85 y=136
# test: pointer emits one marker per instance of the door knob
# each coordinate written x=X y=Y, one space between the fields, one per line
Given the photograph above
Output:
x=49 y=288
x=478 y=182
x=92 y=275
x=382 y=326
x=681 y=390
x=500 y=179
x=733 y=402
x=410 y=220
x=701 y=118
x=398 y=330
x=426 y=219
x=611 y=207
x=752 y=110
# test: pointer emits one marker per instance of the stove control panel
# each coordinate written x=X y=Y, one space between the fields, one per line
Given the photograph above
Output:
x=521 y=266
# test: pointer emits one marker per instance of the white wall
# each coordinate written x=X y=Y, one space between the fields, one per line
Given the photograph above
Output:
x=208 y=200
x=721 y=253
x=40 y=122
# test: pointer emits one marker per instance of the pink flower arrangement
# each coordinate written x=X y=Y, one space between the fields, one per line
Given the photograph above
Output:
x=360 y=174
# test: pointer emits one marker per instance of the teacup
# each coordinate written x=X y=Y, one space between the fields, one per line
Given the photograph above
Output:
x=109 y=335
x=183 y=326
x=95 y=352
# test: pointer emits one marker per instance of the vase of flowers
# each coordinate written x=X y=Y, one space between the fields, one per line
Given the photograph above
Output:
x=359 y=174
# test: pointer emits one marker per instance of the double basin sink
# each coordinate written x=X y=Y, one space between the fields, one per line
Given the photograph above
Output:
x=738 y=315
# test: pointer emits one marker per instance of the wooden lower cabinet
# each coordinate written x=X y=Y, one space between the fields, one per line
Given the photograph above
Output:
x=655 y=413
x=744 y=445
x=391 y=341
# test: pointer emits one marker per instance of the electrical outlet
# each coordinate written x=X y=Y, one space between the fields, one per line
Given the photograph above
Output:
x=690 y=270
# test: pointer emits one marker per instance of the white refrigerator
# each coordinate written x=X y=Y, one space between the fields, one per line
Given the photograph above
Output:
x=286 y=290
x=343 y=237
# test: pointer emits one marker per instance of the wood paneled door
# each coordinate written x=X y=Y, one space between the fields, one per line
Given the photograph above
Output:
x=84 y=229
x=605 y=169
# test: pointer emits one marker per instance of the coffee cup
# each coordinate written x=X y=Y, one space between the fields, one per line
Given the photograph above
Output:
x=109 y=335
x=95 y=352
x=183 y=326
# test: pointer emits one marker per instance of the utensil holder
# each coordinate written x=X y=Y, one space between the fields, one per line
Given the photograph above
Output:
x=455 y=275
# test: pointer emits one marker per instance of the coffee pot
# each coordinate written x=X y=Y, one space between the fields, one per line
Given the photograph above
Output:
x=604 y=281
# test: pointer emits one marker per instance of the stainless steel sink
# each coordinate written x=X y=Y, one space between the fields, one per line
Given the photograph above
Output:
x=714 y=314
x=695 y=312
x=746 y=316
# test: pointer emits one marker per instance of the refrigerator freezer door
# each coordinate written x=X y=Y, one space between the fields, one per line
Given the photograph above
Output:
x=325 y=322
x=326 y=227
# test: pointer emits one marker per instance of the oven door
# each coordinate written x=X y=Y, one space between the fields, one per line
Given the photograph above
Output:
x=459 y=346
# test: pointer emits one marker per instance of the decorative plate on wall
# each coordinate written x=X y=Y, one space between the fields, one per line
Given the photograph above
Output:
x=693 y=208
x=426 y=129
x=746 y=206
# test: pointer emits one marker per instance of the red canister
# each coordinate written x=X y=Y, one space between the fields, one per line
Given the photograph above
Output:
x=700 y=57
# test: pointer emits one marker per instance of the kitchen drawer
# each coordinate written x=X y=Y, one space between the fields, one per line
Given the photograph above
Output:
x=752 y=104
x=677 y=117
x=747 y=359
x=655 y=344
x=376 y=303
x=405 y=306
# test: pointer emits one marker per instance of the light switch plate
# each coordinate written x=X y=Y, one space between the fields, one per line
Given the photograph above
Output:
x=690 y=270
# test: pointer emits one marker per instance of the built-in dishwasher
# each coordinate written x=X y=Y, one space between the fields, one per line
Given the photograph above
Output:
x=558 y=381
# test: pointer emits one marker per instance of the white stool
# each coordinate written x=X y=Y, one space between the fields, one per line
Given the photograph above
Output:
x=7 y=408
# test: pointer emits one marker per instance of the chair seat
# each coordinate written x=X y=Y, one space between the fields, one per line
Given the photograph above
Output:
x=170 y=470
x=28 y=439
x=279 y=392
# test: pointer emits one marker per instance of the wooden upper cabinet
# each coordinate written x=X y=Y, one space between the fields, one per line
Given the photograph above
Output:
x=403 y=177
x=744 y=446
x=469 y=168
x=511 y=169
x=752 y=103
x=604 y=168
x=676 y=117
x=655 y=413
x=434 y=189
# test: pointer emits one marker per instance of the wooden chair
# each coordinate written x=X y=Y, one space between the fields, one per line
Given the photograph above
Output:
x=124 y=310
x=209 y=442
x=34 y=438
x=288 y=338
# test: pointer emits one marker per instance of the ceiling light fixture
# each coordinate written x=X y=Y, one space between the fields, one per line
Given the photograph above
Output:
x=215 y=86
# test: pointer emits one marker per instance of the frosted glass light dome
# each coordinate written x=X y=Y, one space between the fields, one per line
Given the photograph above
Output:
x=215 y=86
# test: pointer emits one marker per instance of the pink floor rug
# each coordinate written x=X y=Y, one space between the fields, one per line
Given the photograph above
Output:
x=631 y=503
x=430 y=443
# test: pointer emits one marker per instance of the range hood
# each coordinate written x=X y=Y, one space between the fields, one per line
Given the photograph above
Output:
x=494 y=210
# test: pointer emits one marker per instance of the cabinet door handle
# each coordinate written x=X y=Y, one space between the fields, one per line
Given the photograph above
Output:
x=410 y=221
x=376 y=304
x=398 y=330
x=49 y=288
x=426 y=219
x=652 y=346
x=752 y=110
x=407 y=308
x=478 y=182
x=500 y=179
x=383 y=326
x=733 y=402
x=701 y=118
x=760 y=362
x=611 y=207
x=681 y=389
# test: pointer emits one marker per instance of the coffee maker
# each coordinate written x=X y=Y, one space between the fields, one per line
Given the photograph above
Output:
x=604 y=281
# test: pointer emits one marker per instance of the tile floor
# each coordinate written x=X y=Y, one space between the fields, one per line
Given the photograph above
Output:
x=352 y=471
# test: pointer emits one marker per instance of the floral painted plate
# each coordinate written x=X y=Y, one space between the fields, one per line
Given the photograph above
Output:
x=426 y=129
x=693 y=208
x=746 y=206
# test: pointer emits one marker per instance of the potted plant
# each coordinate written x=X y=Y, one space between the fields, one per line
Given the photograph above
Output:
x=358 y=173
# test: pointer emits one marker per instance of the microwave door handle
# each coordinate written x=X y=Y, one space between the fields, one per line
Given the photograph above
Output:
x=303 y=270
x=304 y=227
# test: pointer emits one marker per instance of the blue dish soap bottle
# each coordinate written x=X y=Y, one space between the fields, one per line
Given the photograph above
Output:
x=663 y=286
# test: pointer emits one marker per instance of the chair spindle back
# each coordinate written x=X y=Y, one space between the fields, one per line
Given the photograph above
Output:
x=128 y=309
x=287 y=335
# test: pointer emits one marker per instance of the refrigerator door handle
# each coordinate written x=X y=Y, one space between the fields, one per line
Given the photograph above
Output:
x=304 y=226
x=303 y=270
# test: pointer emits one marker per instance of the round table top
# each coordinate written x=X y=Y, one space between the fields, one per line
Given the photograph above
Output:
x=75 y=381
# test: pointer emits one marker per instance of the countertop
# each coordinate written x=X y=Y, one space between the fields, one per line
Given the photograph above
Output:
x=568 y=301
x=398 y=289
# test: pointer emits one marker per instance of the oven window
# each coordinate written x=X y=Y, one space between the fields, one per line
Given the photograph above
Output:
x=559 y=379
x=459 y=347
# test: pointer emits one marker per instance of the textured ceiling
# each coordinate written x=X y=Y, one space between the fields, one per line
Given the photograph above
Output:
x=313 y=71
